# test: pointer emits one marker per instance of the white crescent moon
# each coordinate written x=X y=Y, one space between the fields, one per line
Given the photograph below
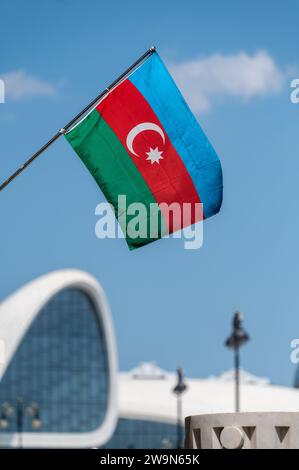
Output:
x=143 y=126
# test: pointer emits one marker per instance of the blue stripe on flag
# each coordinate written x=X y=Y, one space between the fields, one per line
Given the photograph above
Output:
x=157 y=86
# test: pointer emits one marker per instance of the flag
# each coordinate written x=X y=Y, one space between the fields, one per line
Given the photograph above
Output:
x=142 y=142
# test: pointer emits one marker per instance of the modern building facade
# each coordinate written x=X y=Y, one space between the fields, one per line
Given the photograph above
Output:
x=60 y=364
x=60 y=387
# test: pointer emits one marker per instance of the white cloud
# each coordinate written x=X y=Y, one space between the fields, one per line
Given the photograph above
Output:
x=239 y=75
x=19 y=84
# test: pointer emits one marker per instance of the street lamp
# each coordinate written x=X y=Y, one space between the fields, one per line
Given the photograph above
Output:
x=237 y=339
x=178 y=390
x=8 y=410
x=33 y=410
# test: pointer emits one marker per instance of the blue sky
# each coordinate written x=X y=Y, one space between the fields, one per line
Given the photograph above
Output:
x=169 y=305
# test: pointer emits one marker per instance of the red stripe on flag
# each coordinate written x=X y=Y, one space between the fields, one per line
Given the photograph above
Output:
x=125 y=108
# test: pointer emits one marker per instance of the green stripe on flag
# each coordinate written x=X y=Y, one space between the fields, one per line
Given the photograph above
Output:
x=113 y=169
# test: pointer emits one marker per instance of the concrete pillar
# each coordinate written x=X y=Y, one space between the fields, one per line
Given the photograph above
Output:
x=277 y=430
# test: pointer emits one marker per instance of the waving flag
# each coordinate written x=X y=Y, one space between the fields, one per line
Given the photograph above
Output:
x=143 y=142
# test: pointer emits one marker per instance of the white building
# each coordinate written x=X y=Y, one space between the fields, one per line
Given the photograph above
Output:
x=146 y=399
x=60 y=364
x=60 y=373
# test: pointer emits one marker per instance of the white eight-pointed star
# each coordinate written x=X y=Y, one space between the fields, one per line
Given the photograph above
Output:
x=154 y=155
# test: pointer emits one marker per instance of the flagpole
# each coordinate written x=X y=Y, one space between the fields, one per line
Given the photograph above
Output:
x=62 y=131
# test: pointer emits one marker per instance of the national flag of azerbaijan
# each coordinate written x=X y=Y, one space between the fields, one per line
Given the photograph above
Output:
x=142 y=141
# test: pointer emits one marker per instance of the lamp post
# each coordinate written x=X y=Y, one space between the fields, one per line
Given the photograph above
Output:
x=178 y=390
x=8 y=410
x=237 y=339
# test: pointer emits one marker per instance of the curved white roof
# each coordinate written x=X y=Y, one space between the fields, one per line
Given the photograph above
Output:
x=152 y=398
x=143 y=393
x=17 y=313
